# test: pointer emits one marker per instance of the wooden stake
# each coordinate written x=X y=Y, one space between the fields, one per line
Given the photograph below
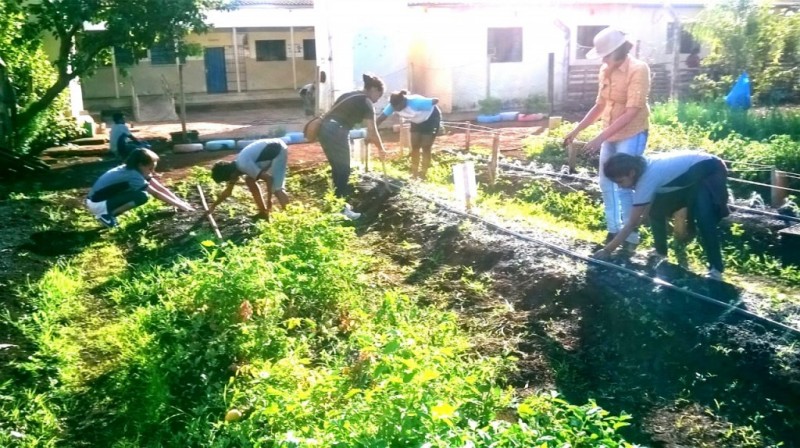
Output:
x=405 y=138
x=210 y=218
x=572 y=154
x=780 y=182
x=495 y=157
x=466 y=146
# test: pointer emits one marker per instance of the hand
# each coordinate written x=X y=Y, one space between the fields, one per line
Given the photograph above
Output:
x=569 y=138
x=381 y=153
x=601 y=254
x=593 y=145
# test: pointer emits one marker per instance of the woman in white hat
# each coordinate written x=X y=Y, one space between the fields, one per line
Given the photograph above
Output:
x=622 y=104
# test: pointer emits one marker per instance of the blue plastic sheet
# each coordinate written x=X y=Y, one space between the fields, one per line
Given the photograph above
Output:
x=739 y=96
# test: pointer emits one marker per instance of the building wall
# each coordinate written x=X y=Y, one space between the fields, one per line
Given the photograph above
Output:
x=457 y=47
x=646 y=24
x=146 y=78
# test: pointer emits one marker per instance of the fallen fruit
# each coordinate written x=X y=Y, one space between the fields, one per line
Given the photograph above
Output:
x=234 y=415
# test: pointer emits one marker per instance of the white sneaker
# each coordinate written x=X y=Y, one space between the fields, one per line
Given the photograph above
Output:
x=714 y=274
x=349 y=213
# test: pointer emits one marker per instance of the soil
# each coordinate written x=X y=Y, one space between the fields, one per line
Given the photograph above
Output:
x=685 y=370
x=595 y=334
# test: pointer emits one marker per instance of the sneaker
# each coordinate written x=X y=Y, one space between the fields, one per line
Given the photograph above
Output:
x=107 y=220
x=714 y=274
x=349 y=213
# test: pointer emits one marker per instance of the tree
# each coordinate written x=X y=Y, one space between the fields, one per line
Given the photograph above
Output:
x=31 y=75
x=134 y=25
x=753 y=36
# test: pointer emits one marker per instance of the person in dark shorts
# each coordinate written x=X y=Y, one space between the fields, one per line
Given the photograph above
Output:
x=667 y=182
x=127 y=186
x=425 y=118
x=264 y=159
x=350 y=109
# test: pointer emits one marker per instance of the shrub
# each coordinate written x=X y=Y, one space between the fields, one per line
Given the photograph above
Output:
x=490 y=106
x=31 y=74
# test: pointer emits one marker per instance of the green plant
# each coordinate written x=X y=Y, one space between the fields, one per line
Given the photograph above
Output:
x=752 y=36
x=490 y=106
x=535 y=104
x=30 y=74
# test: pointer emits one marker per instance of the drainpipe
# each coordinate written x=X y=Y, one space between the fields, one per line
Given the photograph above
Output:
x=114 y=68
x=676 y=51
x=565 y=60
x=294 y=59
x=236 y=61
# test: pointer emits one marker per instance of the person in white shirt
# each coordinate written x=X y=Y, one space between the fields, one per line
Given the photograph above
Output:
x=119 y=136
x=425 y=118
x=665 y=183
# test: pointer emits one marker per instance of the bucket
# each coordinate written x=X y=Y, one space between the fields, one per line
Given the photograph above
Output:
x=358 y=133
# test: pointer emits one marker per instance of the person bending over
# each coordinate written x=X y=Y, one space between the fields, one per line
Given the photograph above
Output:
x=349 y=109
x=425 y=118
x=264 y=159
x=667 y=182
x=127 y=186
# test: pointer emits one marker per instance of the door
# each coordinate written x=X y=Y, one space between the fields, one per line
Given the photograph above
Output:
x=216 y=77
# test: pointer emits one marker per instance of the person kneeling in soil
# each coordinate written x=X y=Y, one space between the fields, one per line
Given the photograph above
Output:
x=264 y=159
x=127 y=186
x=665 y=183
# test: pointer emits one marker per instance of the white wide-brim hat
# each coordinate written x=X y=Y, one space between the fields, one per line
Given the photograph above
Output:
x=605 y=42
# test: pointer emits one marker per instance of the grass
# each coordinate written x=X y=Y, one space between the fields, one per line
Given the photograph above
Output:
x=740 y=255
x=723 y=122
x=285 y=339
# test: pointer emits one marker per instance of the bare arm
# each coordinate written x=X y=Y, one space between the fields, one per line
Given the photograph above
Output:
x=226 y=193
x=373 y=136
x=591 y=116
x=613 y=128
x=160 y=192
x=634 y=220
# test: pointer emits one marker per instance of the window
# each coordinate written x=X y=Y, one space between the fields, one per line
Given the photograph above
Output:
x=505 y=44
x=586 y=39
x=127 y=57
x=162 y=54
x=270 y=50
x=309 y=49
x=687 y=41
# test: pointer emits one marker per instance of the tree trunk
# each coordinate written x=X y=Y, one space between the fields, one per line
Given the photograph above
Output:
x=183 y=101
x=35 y=108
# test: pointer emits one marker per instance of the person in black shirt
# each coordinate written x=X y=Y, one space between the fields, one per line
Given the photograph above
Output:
x=349 y=110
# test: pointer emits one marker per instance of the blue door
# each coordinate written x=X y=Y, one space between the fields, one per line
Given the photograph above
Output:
x=216 y=77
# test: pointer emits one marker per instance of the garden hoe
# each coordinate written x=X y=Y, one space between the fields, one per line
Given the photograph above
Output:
x=210 y=217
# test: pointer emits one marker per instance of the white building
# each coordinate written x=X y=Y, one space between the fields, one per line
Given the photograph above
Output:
x=460 y=51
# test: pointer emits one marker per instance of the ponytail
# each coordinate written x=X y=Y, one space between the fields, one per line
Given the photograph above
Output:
x=372 y=81
x=398 y=99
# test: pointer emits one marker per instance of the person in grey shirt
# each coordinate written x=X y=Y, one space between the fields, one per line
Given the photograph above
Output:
x=127 y=186
x=264 y=159
x=665 y=183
